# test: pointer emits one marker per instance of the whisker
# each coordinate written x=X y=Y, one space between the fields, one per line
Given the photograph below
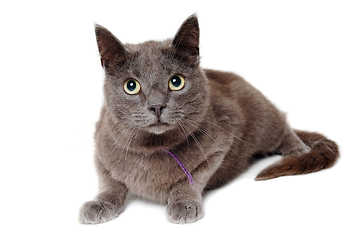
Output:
x=84 y=129
x=195 y=139
x=233 y=135
x=182 y=128
x=132 y=134
x=80 y=144
x=210 y=135
x=125 y=149
x=204 y=131
x=125 y=130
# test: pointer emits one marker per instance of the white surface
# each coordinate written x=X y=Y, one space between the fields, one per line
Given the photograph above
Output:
x=304 y=56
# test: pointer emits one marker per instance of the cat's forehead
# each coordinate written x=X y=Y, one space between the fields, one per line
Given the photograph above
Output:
x=148 y=48
x=150 y=58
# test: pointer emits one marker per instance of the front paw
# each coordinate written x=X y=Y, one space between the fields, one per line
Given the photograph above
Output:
x=98 y=212
x=184 y=212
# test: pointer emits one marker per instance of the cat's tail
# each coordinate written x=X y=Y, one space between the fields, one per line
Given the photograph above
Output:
x=323 y=154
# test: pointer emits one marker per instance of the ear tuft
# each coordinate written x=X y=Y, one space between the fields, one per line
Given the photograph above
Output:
x=112 y=51
x=186 y=41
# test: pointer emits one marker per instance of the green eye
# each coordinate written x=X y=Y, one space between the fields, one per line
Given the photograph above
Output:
x=132 y=87
x=176 y=83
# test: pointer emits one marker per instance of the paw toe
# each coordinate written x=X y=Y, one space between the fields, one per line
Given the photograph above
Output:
x=184 y=212
x=97 y=212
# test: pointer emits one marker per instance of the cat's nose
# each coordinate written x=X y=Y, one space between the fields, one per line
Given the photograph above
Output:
x=157 y=109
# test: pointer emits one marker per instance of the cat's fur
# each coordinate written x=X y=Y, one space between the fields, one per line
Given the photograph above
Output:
x=216 y=125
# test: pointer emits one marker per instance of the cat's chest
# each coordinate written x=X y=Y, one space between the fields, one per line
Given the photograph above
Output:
x=149 y=176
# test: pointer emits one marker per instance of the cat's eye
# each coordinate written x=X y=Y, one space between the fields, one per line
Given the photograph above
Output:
x=132 y=87
x=176 y=83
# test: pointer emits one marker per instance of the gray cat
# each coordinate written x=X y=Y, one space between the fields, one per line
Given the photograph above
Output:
x=169 y=130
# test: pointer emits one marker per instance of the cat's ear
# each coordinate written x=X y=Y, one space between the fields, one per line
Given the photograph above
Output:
x=112 y=52
x=186 y=41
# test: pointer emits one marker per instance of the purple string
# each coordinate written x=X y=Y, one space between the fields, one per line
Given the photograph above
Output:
x=188 y=174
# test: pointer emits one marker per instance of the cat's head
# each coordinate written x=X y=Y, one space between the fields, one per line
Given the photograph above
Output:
x=155 y=86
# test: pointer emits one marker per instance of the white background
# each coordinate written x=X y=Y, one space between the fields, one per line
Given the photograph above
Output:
x=303 y=55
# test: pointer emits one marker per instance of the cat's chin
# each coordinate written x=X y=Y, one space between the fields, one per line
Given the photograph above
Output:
x=159 y=128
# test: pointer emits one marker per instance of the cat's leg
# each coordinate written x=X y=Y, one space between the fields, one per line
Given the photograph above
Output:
x=291 y=144
x=185 y=201
x=108 y=204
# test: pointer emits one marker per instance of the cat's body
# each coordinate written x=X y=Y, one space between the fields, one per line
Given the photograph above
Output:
x=159 y=103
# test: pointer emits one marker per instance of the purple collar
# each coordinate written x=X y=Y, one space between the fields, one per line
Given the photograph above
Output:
x=188 y=174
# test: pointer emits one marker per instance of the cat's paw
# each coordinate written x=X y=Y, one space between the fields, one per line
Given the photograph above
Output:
x=184 y=212
x=98 y=212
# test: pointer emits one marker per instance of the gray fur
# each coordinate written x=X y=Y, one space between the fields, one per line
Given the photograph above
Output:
x=216 y=125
